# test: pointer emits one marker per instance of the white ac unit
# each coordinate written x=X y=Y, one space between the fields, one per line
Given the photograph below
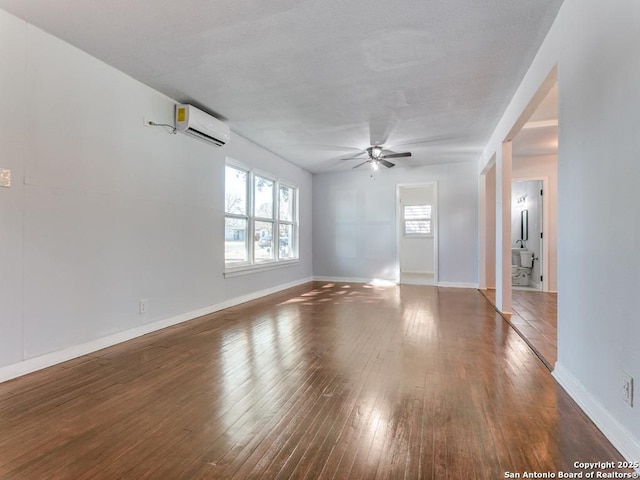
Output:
x=201 y=125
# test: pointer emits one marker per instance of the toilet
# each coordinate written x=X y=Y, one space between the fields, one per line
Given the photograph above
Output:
x=521 y=264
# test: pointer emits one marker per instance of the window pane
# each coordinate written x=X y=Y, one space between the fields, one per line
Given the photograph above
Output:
x=285 y=240
x=417 y=227
x=235 y=190
x=263 y=195
x=286 y=204
x=263 y=241
x=235 y=240
x=417 y=212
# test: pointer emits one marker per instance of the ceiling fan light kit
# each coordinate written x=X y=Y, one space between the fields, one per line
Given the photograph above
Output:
x=377 y=157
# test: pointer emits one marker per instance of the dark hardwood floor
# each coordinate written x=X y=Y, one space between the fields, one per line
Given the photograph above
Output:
x=535 y=318
x=324 y=381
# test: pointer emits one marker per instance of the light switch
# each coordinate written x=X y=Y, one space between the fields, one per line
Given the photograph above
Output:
x=5 y=177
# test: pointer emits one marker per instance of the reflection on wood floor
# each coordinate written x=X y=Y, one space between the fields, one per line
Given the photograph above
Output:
x=535 y=318
x=324 y=381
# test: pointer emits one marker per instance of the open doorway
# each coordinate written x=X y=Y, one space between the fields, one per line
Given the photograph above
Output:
x=417 y=234
x=534 y=223
x=527 y=235
x=535 y=159
x=532 y=155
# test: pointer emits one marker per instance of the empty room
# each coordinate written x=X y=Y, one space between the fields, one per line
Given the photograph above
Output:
x=321 y=240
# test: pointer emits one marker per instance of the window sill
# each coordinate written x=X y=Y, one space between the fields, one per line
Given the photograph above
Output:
x=258 y=267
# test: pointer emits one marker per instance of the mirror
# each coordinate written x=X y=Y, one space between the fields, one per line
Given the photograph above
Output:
x=524 y=225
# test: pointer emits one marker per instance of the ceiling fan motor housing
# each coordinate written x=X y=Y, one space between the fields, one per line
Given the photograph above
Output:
x=374 y=151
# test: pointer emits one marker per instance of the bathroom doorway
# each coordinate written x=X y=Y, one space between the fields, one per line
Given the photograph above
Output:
x=527 y=235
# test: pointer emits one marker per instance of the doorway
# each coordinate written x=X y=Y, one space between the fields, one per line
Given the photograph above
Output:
x=527 y=233
x=533 y=155
x=534 y=171
x=417 y=234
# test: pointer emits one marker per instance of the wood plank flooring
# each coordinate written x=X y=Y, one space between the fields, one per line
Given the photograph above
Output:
x=535 y=318
x=324 y=381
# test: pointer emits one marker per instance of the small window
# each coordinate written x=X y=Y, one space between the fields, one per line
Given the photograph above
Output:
x=417 y=220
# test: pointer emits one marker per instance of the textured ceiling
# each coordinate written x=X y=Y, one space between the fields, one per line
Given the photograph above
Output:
x=316 y=81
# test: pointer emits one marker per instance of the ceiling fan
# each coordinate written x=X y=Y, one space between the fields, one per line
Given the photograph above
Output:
x=378 y=156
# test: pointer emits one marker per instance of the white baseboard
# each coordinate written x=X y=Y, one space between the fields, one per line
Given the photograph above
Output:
x=370 y=280
x=43 y=361
x=457 y=285
x=620 y=437
x=348 y=280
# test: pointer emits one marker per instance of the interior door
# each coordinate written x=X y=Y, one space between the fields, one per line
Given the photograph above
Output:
x=416 y=232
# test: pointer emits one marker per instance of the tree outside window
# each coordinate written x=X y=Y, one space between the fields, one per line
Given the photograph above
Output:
x=260 y=218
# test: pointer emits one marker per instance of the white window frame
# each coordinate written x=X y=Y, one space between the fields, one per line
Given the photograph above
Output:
x=252 y=264
x=426 y=218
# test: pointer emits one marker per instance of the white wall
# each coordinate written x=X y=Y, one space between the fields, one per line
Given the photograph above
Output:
x=545 y=166
x=354 y=222
x=594 y=45
x=12 y=139
x=104 y=211
x=490 y=230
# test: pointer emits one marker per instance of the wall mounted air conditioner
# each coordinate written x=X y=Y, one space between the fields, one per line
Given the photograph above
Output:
x=201 y=125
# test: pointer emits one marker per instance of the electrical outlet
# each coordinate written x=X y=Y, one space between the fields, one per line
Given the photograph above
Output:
x=143 y=304
x=627 y=388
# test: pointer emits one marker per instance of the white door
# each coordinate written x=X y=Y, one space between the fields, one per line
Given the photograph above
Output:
x=416 y=234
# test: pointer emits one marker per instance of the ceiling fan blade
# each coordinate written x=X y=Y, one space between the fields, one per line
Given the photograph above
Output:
x=357 y=155
x=386 y=164
x=396 y=155
x=360 y=164
x=320 y=147
x=381 y=123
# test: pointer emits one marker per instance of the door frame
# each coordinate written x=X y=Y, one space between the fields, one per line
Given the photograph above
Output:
x=434 y=225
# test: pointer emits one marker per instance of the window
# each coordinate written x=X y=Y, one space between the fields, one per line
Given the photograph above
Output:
x=417 y=220
x=286 y=227
x=236 y=220
x=263 y=225
x=260 y=219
